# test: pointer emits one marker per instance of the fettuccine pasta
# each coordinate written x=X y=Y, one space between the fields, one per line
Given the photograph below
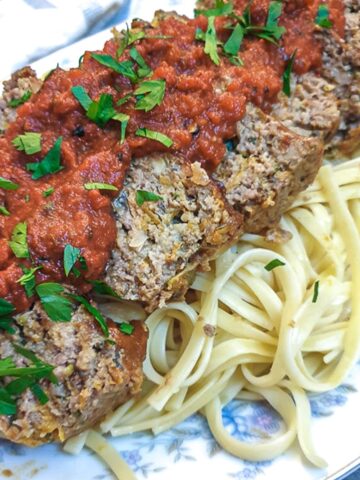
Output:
x=277 y=333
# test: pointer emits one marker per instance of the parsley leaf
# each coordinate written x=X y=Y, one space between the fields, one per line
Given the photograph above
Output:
x=272 y=26
x=125 y=68
x=211 y=41
x=152 y=135
x=18 y=243
x=151 y=94
x=6 y=308
x=102 y=111
x=81 y=95
x=144 y=69
x=49 y=191
x=143 y=196
x=124 y=120
x=316 y=291
x=15 y=102
x=28 y=279
x=29 y=143
x=49 y=164
x=287 y=75
x=93 y=311
x=274 y=264
x=7 y=184
x=58 y=308
x=71 y=256
x=25 y=377
x=233 y=44
x=99 y=186
x=221 y=8
x=322 y=18
x=126 y=328
x=4 y=211
x=123 y=99
x=103 y=289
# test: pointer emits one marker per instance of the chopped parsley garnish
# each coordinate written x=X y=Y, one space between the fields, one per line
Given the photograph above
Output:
x=123 y=100
x=102 y=111
x=287 y=75
x=272 y=29
x=221 y=8
x=211 y=41
x=50 y=163
x=93 y=311
x=322 y=18
x=29 y=143
x=152 y=135
x=4 y=211
x=15 y=102
x=103 y=289
x=99 y=186
x=6 y=310
x=7 y=184
x=150 y=94
x=28 y=279
x=126 y=328
x=124 y=120
x=71 y=256
x=81 y=96
x=274 y=264
x=125 y=68
x=144 y=70
x=131 y=36
x=25 y=377
x=143 y=196
x=316 y=291
x=58 y=307
x=49 y=191
x=18 y=243
x=233 y=44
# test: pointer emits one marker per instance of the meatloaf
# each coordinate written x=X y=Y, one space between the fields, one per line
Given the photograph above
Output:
x=94 y=375
x=188 y=218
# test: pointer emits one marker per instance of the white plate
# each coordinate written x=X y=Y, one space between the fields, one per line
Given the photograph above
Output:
x=189 y=451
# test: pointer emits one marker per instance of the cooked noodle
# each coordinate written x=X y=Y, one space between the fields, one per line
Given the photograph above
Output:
x=255 y=333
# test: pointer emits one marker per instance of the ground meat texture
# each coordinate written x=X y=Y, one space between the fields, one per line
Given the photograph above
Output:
x=21 y=82
x=341 y=67
x=94 y=375
x=160 y=243
x=312 y=108
x=272 y=165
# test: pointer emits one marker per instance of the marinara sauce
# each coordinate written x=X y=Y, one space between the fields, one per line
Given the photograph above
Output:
x=202 y=103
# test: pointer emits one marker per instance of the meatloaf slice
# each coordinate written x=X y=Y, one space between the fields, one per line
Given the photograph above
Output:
x=95 y=376
x=273 y=165
x=312 y=109
x=341 y=67
x=159 y=243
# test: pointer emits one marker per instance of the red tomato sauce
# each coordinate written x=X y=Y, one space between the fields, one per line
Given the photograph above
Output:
x=202 y=104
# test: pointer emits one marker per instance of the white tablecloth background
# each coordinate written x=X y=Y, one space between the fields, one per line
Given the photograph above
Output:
x=32 y=29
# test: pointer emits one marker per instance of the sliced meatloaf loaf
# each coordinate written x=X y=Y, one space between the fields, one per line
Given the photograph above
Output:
x=160 y=242
x=273 y=164
x=94 y=375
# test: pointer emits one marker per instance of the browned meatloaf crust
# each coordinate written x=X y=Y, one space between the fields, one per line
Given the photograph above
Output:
x=95 y=376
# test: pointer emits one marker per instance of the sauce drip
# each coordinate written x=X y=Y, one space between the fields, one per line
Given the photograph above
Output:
x=202 y=104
